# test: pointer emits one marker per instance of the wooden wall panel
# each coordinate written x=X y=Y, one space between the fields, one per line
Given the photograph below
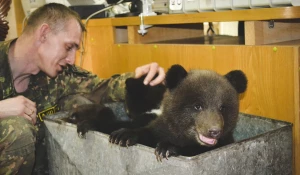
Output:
x=164 y=33
x=270 y=73
x=19 y=15
x=297 y=115
x=259 y=32
x=98 y=50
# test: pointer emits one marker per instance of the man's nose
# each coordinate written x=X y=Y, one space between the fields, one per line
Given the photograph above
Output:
x=71 y=58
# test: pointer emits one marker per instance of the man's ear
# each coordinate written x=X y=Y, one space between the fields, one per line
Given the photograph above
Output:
x=42 y=32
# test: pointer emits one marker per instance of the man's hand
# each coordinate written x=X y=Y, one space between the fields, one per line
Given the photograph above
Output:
x=18 y=106
x=151 y=69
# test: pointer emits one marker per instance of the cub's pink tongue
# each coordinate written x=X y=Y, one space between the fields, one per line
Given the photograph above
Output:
x=208 y=140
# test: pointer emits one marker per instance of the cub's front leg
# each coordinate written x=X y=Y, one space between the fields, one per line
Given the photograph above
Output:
x=127 y=137
x=124 y=137
x=165 y=149
x=94 y=117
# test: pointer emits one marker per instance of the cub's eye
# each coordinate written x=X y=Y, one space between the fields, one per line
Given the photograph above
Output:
x=222 y=108
x=198 y=107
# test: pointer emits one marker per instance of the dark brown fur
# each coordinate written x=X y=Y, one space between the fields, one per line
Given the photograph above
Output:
x=196 y=102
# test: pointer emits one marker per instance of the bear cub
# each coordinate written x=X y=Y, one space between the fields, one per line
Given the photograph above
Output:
x=93 y=116
x=195 y=112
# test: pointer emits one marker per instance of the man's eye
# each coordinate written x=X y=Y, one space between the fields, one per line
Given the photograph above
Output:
x=69 y=48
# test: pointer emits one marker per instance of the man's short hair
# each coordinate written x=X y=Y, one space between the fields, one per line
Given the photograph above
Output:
x=55 y=15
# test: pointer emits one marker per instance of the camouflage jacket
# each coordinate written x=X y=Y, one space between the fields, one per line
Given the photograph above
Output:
x=46 y=91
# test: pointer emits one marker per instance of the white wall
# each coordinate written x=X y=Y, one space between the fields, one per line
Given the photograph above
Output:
x=228 y=28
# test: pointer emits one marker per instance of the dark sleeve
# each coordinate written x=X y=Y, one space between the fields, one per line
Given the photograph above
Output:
x=76 y=80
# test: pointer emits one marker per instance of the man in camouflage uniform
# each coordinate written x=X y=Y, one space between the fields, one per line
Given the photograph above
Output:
x=36 y=71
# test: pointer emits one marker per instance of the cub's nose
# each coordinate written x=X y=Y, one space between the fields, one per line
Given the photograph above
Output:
x=214 y=133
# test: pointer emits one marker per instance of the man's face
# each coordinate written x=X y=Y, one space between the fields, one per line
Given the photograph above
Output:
x=59 y=49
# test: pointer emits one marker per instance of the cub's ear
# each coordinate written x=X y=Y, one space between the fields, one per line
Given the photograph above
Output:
x=238 y=80
x=135 y=86
x=175 y=75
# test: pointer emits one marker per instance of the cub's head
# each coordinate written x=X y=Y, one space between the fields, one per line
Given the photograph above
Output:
x=202 y=105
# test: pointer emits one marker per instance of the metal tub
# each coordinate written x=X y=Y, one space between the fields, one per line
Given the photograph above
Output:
x=262 y=146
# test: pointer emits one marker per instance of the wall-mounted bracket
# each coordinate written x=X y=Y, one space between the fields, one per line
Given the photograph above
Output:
x=271 y=24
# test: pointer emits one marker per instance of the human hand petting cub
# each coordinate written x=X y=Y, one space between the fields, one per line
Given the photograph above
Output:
x=151 y=70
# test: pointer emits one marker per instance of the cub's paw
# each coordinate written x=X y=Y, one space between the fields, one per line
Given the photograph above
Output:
x=82 y=128
x=123 y=137
x=165 y=150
